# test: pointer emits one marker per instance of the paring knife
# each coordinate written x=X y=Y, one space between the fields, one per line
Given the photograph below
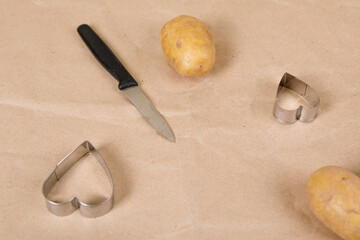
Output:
x=127 y=83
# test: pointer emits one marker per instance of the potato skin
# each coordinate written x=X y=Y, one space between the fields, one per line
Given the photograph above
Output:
x=188 y=46
x=334 y=197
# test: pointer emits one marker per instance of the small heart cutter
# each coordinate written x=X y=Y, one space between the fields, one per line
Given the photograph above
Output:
x=66 y=208
x=302 y=113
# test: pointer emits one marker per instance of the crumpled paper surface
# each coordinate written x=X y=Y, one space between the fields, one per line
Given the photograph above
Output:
x=234 y=172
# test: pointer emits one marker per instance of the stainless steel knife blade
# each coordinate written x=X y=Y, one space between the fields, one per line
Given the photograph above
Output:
x=145 y=107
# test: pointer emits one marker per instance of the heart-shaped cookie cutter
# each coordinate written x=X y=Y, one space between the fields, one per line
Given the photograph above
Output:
x=302 y=113
x=66 y=208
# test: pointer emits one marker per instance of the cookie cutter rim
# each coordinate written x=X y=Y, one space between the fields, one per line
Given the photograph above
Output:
x=302 y=113
x=66 y=208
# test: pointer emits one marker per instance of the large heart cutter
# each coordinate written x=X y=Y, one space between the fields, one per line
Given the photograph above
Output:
x=302 y=113
x=66 y=208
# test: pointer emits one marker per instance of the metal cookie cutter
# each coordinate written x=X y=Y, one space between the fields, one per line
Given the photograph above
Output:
x=302 y=113
x=88 y=210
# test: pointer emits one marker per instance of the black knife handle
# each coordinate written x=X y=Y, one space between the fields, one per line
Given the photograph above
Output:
x=106 y=57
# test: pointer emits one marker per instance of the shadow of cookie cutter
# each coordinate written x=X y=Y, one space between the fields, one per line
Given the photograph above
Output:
x=302 y=113
x=66 y=208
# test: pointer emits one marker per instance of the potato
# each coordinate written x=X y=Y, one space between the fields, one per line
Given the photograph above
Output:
x=188 y=46
x=334 y=197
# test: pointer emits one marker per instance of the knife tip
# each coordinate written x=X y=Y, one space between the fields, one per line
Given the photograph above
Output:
x=172 y=139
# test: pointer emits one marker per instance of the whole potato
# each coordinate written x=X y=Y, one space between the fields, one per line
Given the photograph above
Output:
x=188 y=46
x=334 y=197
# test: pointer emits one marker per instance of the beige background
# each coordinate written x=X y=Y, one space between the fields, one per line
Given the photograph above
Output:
x=234 y=173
